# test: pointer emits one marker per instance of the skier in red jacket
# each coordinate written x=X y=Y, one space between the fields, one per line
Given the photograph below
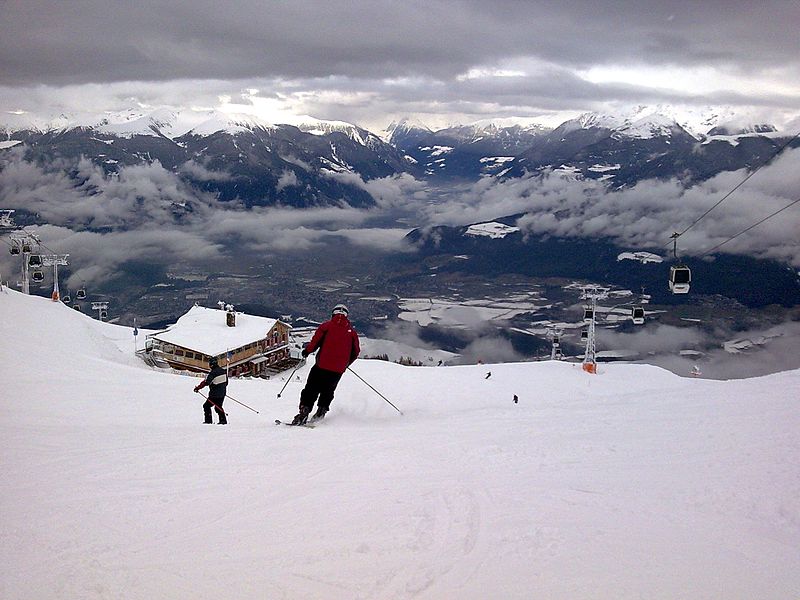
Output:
x=337 y=342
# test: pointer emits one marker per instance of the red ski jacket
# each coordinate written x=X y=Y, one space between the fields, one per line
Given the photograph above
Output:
x=338 y=345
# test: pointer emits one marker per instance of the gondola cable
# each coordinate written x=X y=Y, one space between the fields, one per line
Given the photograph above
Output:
x=680 y=275
x=737 y=186
x=754 y=225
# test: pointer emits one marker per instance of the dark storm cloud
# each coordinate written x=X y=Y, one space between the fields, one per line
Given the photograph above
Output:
x=370 y=62
x=97 y=41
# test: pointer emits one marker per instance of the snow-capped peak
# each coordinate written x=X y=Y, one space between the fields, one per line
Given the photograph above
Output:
x=20 y=120
x=230 y=123
x=403 y=126
x=130 y=123
x=654 y=125
x=522 y=123
x=696 y=120
x=172 y=123
x=316 y=126
x=639 y=122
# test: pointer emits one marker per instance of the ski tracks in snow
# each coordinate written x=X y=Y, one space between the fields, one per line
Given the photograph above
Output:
x=445 y=535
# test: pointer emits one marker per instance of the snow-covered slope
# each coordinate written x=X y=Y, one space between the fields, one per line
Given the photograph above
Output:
x=633 y=483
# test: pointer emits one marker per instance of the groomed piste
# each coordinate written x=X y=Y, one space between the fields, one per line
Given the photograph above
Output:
x=632 y=483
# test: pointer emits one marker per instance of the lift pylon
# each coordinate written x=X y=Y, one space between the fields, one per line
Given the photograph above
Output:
x=54 y=260
x=24 y=245
x=592 y=294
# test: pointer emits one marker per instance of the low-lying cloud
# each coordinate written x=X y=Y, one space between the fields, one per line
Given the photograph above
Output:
x=199 y=172
x=645 y=215
x=764 y=351
x=151 y=213
x=148 y=213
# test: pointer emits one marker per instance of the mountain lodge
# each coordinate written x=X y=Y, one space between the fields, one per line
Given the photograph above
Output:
x=246 y=344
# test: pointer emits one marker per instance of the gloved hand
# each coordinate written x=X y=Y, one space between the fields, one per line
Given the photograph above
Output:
x=197 y=388
x=304 y=353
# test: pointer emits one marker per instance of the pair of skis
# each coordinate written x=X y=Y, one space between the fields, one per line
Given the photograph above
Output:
x=310 y=425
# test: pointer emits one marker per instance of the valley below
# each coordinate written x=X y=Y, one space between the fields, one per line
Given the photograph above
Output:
x=428 y=302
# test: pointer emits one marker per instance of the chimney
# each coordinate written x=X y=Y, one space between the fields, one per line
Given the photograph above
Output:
x=230 y=316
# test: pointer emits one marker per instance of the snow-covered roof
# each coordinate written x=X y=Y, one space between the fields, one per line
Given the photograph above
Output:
x=205 y=330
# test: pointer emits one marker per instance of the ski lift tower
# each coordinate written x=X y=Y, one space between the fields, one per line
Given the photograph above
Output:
x=101 y=308
x=23 y=244
x=589 y=355
x=6 y=222
x=54 y=260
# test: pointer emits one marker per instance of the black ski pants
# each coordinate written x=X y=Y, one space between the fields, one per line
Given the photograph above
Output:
x=218 y=408
x=321 y=384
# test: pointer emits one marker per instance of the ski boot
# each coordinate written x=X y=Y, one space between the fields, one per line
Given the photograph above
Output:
x=320 y=414
x=301 y=417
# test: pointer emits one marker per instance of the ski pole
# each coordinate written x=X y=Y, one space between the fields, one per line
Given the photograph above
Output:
x=300 y=364
x=214 y=404
x=374 y=390
x=242 y=403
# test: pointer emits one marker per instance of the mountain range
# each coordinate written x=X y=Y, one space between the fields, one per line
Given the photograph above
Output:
x=312 y=162
x=236 y=157
x=619 y=150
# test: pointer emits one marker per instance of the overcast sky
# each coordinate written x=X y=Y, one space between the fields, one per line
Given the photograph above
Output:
x=373 y=61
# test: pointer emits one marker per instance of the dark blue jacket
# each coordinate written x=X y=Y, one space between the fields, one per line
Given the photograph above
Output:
x=217 y=382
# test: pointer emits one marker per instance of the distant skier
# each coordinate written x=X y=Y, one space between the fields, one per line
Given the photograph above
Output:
x=516 y=400
x=489 y=374
x=337 y=342
x=217 y=382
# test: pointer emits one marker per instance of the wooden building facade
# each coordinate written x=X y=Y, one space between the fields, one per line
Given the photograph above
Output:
x=245 y=344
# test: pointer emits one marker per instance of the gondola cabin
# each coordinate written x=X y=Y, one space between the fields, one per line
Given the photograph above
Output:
x=81 y=294
x=637 y=315
x=14 y=250
x=588 y=315
x=680 y=277
x=34 y=260
x=37 y=276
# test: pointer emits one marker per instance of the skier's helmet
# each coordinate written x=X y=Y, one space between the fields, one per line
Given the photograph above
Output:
x=213 y=362
x=340 y=309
